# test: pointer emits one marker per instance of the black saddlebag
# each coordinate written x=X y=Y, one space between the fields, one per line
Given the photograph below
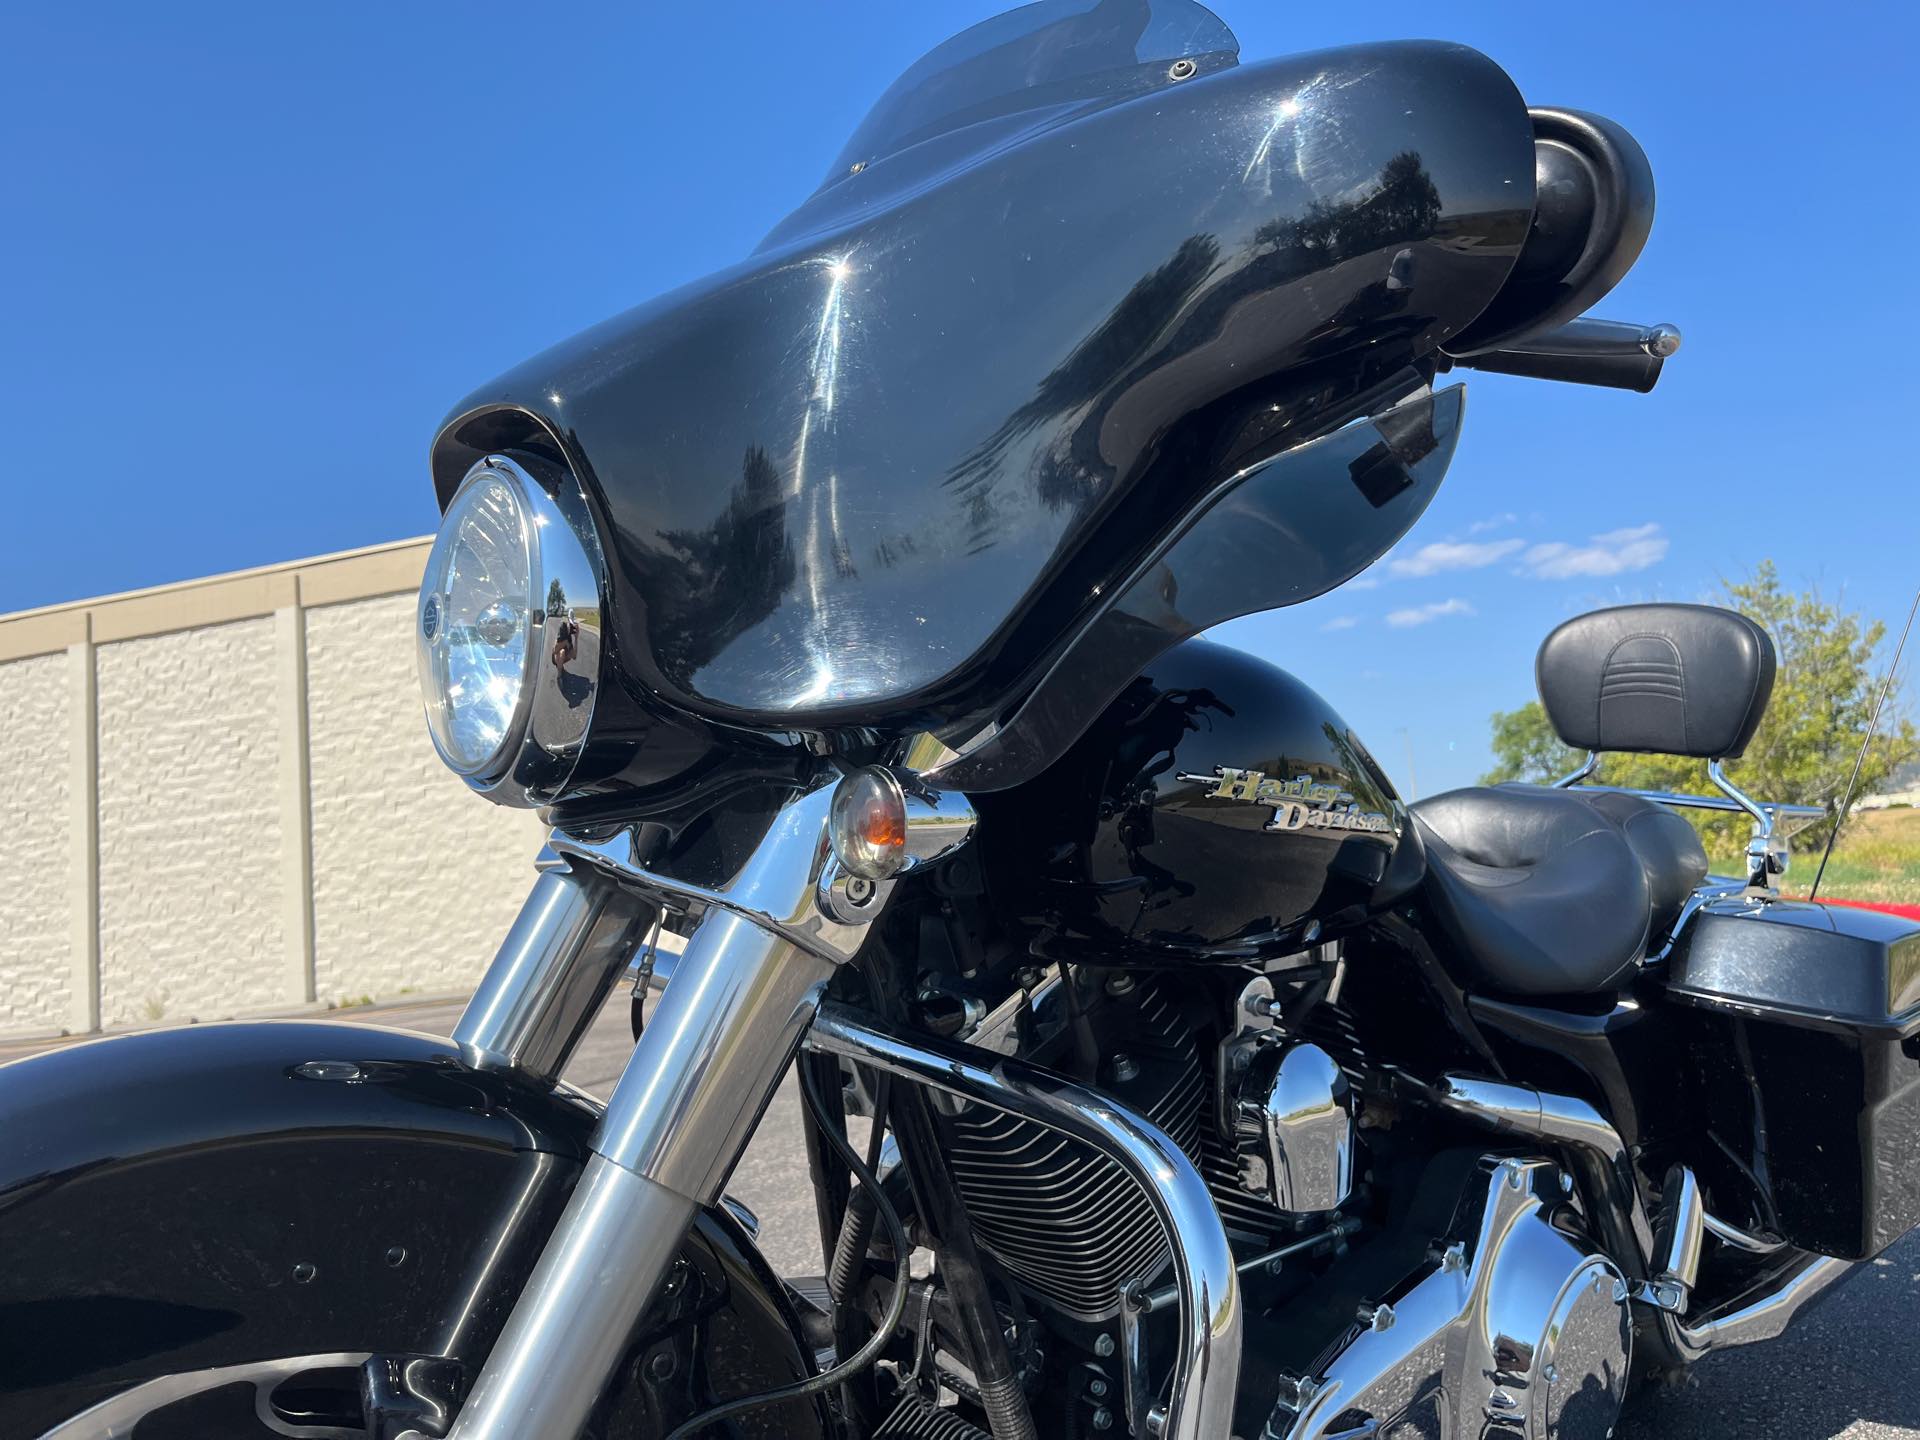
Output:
x=1805 y=1042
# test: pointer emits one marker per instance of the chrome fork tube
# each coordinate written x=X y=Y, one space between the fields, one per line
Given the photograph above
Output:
x=701 y=1075
x=557 y=965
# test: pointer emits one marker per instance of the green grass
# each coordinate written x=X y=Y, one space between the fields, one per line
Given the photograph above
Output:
x=1878 y=858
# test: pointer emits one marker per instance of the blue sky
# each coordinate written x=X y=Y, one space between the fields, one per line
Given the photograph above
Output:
x=250 y=255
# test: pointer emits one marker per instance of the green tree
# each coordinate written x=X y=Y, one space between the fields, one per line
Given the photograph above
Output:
x=1823 y=698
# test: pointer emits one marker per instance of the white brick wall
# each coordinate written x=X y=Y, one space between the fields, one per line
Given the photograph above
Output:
x=36 y=909
x=212 y=898
x=416 y=879
x=190 y=854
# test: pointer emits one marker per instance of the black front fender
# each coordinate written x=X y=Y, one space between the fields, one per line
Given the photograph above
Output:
x=188 y=1199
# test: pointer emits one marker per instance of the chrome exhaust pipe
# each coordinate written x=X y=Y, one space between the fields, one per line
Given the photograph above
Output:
x=1518 y=1110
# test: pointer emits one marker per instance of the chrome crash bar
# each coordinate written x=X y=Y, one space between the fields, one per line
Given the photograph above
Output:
x=1207 y=1362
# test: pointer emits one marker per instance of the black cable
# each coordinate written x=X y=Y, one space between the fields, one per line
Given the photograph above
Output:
x=883 y=1333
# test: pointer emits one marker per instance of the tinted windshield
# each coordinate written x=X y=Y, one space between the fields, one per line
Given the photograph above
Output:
x=1051 y=53
x=1291 y=528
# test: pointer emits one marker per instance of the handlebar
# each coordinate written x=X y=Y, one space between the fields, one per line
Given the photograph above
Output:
x=1610 y=353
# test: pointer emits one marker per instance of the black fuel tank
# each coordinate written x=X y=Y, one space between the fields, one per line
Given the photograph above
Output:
x=1218 y=811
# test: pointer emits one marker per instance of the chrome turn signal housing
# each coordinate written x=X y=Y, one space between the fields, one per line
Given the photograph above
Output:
x=884 y=822
x=508 y=631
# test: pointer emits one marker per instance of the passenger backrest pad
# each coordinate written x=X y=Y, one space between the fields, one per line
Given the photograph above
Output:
x=1661 y=679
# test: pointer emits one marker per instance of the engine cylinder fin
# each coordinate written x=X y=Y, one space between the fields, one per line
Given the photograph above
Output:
x=914 y=1419
x=1066 y=1224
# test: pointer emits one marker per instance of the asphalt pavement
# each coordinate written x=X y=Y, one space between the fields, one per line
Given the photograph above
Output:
x=1849 y=1371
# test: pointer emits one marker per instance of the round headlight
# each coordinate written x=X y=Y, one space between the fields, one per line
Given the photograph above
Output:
x=508 y=632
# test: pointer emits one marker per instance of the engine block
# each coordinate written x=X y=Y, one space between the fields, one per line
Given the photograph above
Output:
x=1065 y=1223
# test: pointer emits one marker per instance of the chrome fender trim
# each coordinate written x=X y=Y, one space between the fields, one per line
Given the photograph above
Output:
x=1207 y=1363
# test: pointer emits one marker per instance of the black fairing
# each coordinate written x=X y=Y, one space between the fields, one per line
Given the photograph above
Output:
x=1218 y=811
x=219 y=1195
x=877 y=474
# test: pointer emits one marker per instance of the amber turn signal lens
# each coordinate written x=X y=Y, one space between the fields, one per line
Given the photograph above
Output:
x=868 y=828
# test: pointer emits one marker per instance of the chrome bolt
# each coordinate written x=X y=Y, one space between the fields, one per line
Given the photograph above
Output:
x=1121 y=984
x=1097 y=1388
x=1103 y=1345
x=1377 y=1318
x=859 y=889
x=1103 y=1419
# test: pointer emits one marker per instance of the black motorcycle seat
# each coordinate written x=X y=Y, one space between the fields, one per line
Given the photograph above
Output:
x=1554 y=892
x=1669 y=849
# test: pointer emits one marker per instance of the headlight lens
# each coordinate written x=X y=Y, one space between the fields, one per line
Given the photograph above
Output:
x=474 y=619
x=508 y=632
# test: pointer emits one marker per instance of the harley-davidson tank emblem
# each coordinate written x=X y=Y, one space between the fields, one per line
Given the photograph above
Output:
x=1301 y=803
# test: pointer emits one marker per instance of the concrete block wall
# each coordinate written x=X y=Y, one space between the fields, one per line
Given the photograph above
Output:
x=218 y=798
x=413 y=876
x=36 y=717
x=189 y=825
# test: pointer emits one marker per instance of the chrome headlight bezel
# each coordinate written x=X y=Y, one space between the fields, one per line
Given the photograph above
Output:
x=562 y=661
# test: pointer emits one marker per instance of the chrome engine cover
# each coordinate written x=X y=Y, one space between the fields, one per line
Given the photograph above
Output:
x=1517 y=1330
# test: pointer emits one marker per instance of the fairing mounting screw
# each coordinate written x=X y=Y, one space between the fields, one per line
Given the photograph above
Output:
x=1181 y=70
x=1377 y=1318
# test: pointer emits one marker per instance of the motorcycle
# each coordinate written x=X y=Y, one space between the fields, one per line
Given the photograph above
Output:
x=839 y=612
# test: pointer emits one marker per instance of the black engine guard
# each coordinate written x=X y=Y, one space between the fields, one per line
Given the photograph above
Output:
x=187 y=1199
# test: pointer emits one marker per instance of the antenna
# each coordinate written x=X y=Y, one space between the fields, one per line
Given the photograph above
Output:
x=1873 y=724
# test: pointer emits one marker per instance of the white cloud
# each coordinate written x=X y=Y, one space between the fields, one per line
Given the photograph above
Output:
x=1454 y=555
x=1614 y=553
x=1341 y=622
x=1492 y=522
x=1422 y=614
